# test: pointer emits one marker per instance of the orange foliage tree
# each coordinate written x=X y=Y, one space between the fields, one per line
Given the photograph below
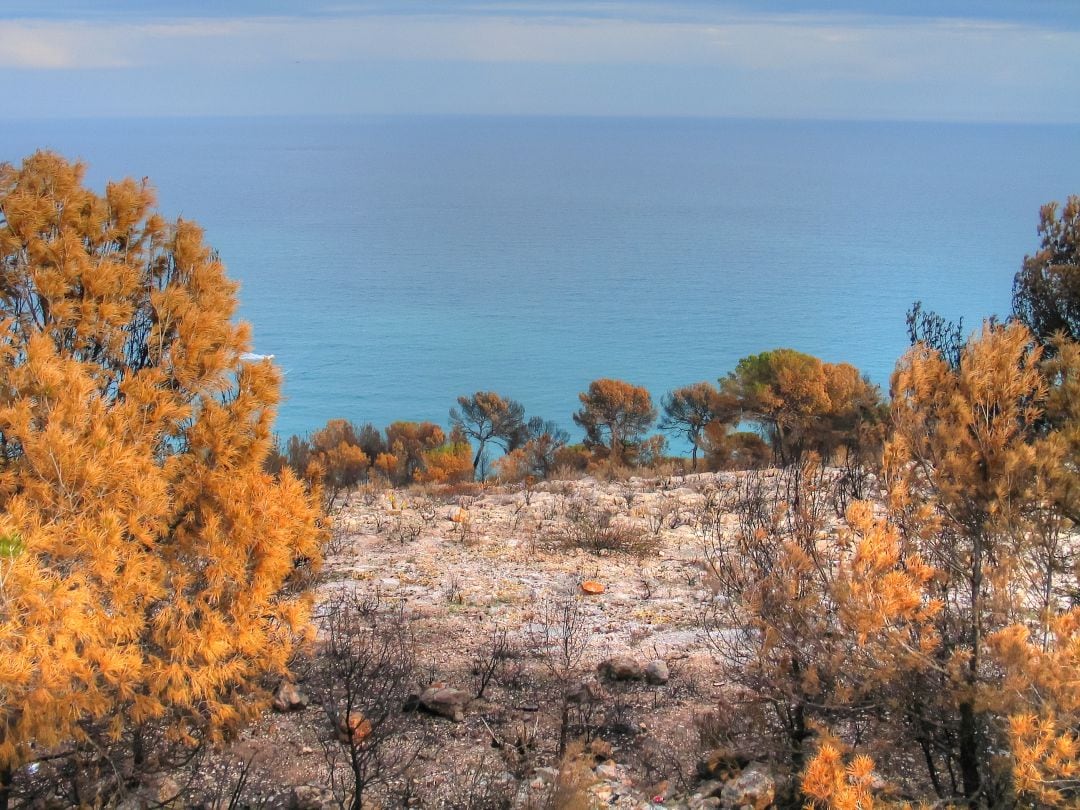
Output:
x=813 y=624
x=725 y=449
x=408 y=442
x=804 y=405
x=334 y=458
x=150 y=570
x=831 y=783
x=615 y=415
x=449 y=463
x=538 y=457
x=981 y=660
x=691 y=410
x=965 y=462
x=489 y=417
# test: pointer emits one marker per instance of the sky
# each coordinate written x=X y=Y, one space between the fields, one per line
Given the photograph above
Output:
x=1011 y=61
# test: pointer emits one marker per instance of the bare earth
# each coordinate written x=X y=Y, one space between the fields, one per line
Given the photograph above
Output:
x=465 y=568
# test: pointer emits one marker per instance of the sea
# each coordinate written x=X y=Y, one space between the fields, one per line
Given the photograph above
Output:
x=392 y=264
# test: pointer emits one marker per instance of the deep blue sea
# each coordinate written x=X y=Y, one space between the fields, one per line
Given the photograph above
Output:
x=392 y=264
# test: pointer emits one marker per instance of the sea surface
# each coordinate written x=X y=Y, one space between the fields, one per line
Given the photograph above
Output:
x=393 y=264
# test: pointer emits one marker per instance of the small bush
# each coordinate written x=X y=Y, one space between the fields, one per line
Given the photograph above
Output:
x=597 y=530
x=572 y=457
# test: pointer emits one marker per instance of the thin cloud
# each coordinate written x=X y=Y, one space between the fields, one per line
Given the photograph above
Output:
x=635 y=57
x=34 y=45
x=852 y=47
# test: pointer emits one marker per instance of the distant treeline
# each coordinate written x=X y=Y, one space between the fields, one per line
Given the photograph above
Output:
x=797 y=404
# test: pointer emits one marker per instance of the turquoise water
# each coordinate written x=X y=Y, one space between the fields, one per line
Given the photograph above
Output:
x=393 y=264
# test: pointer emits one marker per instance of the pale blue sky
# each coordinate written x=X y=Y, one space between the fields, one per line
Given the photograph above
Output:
x=951 y=60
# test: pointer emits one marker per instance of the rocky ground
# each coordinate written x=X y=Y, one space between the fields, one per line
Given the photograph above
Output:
x=492 y=589
x=473 y=570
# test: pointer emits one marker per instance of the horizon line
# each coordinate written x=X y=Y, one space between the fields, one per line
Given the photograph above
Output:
x=825 y=119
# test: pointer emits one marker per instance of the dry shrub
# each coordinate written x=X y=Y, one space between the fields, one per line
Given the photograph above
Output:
x=595 y=529
x=571 y=791
x=565 y=472
x=608 y=469
x=480 y=784
x=571 y=457
x=457 y=489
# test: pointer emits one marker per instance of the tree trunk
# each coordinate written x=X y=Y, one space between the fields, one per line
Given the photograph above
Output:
x=138 y=750
x=931 y=769
x=923 y=739
x=969 y=752
x=564 y=727
x=798 y=734
x=5 y=787
x=359 y=780
x=797 y=730
x=969 y=742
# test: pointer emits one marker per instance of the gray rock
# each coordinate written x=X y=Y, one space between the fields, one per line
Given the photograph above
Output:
x=657 y=673
x=620 y=668
x=755 y=787
x=585 y=693
x=548 y=775
x=307 y=797
x=353 y=728
x=445 y=702
x=607 y=770
x=288 y=698
x=709 y=788
x=160 y=790
x=166 y=791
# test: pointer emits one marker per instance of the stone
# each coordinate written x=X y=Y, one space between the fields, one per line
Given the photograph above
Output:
x=657 y=673
x=445 y=701
x=288 y=698
x=603 y=795
x=620 y=668
x=308 y=797
x=355 y=728
x=548 y=775
x=165 y=791
x=159 y=790
x=607 y=770
x=698 y=802
x=754 y=788
x=585 y=693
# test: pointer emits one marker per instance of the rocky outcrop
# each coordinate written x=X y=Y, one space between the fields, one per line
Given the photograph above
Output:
x=657 y=673
x=753 y=789
x=620 y=668
x=445 y=701
x=585 y=693
x=288 y=698
x=307 y=797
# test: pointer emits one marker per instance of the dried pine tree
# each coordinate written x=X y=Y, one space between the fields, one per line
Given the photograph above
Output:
x=971 y=470
x=150 y=571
